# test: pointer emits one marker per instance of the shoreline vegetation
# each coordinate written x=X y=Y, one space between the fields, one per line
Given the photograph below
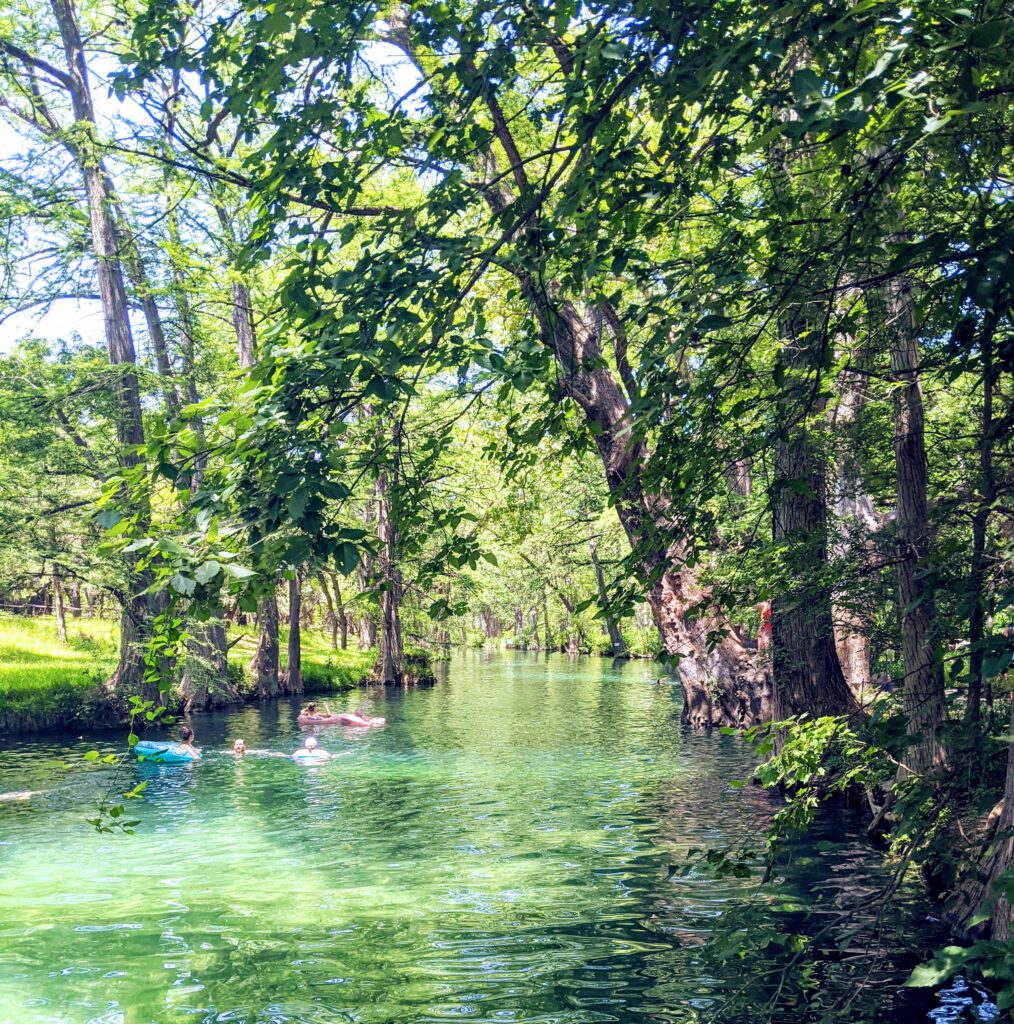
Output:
x=49 y=685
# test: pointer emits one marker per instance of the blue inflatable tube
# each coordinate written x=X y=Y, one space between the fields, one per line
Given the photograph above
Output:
x=162 y=753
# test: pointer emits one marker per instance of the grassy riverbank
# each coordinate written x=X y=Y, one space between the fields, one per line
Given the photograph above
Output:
x=47 y=684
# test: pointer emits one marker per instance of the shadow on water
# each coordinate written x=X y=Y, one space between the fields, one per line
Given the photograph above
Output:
x=504 y=850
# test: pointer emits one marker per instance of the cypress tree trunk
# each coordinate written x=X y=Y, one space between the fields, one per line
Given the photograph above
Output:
x=129 y=676
x=391 y=664
x=613 y=627
x=980 y=526
x=807 y=676
x=853 y=511
x=61 y=621
x=343 y=619
x=264 y=664
x=367 y=624
x=205 y=681
x=331 y=621
x=894 y=312
x=984 y=882
x=292 y=681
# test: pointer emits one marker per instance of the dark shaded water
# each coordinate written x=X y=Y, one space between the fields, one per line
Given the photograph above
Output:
x=502 y=851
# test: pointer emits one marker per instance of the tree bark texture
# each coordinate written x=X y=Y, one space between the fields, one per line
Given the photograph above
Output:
x=367 y=622
x=807 y=676
x=292 y=681
x=855 y=519
x=391 y=664
x=264 y=664
x=612 y=625
x=894 y=308
x=129 y=675
x=61 y=619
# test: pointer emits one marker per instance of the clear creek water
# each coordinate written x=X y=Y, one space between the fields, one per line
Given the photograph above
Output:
x=506 y=849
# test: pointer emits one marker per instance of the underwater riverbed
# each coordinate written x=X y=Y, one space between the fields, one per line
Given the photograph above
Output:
x=508 y=848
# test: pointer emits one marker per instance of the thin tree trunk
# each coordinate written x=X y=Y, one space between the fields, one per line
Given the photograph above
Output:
x=367 y=623
x=391 y=665
x=75 y=596
x=292 y=682
x=61 y=621
x=331 y=621
x=980 y=527
x=129 y=676
x=854 y=514
x=343 y=621
x=612 y=625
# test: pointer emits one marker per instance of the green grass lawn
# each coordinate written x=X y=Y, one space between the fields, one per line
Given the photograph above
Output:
x=48 y=684
x=45 y=683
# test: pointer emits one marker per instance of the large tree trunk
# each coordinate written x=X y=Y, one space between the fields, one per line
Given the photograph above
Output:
x=129 y=676
x=612 y=625
x=292 y=681
x=983 y=883
x=721 y=683
x=894 y=311
x=264 y=664
x=205 y=681
x=806 y=673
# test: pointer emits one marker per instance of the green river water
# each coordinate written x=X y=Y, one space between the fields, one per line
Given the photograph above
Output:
x=501 y=851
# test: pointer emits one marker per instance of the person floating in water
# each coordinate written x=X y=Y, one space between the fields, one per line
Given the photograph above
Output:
x=358 y=719
x=240 y=749
x=186 y=743
x=309 y=751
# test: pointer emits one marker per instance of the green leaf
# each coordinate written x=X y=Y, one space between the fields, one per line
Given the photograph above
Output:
x=944 y=965
x=183 y=584
x=207 y=571
x=239 y=572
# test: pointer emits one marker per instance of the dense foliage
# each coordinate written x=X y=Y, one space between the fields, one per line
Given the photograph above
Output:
x=546 y=317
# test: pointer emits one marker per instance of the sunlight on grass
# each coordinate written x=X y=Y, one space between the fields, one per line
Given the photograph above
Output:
x=45 y=682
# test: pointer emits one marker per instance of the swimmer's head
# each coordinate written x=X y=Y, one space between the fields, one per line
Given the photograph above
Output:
x=310 y=743
x=312 y=706
x=186 y=734
x=239 y=747
x=361 y=712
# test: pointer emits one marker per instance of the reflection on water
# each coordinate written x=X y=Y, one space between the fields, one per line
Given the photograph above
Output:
x=502 y=851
